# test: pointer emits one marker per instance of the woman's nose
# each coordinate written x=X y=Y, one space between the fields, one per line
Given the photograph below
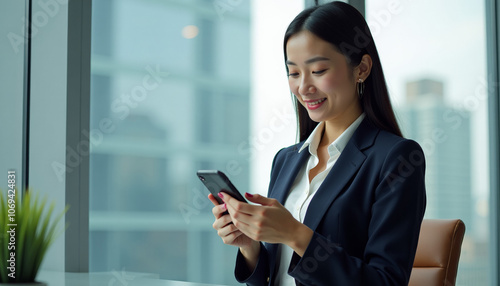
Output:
x=306 y=86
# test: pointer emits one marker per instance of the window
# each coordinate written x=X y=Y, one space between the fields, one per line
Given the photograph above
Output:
x=434 y=58
x=170 y=94
x=11 y=98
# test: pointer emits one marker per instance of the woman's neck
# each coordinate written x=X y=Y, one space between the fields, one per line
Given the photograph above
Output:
x=335 y=127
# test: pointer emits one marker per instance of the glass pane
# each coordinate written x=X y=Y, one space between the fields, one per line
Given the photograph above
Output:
x=434 y=58
x=11 y=96
x=170 y=94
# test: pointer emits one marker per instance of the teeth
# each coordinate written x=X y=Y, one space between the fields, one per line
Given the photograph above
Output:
x=316 y=102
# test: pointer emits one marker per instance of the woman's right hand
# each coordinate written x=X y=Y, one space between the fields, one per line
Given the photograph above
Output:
x=225 y=228
x=231 y=235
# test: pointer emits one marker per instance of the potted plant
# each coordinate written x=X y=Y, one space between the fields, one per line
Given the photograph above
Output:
x=26 y=233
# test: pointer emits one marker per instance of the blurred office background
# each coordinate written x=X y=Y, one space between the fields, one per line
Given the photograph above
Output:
x=178 y=86
x=173 y=77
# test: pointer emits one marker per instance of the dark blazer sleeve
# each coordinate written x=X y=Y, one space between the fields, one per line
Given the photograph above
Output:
x=260 y=275
x=397 y=209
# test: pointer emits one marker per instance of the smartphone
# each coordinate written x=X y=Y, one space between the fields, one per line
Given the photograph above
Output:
x=216 y=182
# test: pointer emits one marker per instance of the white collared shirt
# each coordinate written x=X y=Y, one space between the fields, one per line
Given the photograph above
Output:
x=302 y=192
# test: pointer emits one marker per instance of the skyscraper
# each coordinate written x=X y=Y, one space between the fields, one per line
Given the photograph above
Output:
x=444 y=133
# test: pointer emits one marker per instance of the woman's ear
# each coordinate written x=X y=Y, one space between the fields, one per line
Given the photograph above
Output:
x=362 y=71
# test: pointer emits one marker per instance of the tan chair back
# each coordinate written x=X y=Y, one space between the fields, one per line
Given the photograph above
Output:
x=438 y=253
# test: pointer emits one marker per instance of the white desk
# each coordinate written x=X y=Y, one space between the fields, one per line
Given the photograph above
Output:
x=115 y=278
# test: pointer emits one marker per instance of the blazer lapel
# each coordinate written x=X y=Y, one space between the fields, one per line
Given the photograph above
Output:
x=341 y=173
x=292 y=165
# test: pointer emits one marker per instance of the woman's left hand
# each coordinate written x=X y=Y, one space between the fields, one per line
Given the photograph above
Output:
x=270 y=221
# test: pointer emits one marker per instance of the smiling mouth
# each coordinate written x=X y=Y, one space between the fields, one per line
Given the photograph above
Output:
x=315 y=104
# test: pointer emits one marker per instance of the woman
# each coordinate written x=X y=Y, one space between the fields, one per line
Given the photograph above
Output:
x=344 y=205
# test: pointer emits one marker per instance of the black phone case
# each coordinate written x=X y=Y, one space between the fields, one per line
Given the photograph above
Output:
x=216 y=181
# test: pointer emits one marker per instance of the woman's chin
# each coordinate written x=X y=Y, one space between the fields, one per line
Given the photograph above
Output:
x=316 y=117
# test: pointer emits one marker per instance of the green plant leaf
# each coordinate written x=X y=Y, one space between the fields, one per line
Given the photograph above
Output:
x=35 y=232
x=4 y=241
x=41 y=243
x=34 y=248
x=25 y=238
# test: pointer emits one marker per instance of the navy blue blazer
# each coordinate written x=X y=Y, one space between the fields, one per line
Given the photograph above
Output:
x=366 y=215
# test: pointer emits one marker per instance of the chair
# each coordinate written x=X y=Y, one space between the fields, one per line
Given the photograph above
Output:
x=438 y=253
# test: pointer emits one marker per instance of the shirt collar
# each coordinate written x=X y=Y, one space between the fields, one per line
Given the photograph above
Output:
x=338 y=145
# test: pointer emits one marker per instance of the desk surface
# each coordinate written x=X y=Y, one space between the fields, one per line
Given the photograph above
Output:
x=114 y=278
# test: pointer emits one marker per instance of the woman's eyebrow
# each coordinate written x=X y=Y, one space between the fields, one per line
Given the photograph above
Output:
x=309 y=61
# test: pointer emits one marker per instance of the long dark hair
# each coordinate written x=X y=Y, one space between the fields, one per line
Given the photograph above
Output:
x=345 y=28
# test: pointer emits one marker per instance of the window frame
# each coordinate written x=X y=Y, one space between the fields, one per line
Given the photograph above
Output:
x=77 y=122
x=493 y=69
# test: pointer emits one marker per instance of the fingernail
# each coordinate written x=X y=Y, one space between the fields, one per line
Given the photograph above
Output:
x=249 y=195
x=220 y=195
x=224 y=207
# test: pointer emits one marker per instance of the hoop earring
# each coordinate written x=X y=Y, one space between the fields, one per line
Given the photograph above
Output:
x=361 y=88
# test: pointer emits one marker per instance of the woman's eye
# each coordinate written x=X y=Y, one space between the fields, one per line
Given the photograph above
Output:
x=293 y=74
x=319 y=72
